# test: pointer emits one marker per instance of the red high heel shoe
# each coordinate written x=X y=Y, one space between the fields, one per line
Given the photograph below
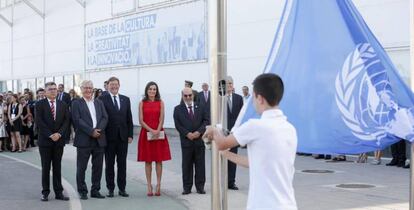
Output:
x=158 y=193
x=149 y=194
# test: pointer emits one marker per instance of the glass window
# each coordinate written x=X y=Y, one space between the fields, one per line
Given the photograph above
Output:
x=68 y=82
x=40 y=82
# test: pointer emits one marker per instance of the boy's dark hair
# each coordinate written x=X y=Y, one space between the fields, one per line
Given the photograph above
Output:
x=270 y=87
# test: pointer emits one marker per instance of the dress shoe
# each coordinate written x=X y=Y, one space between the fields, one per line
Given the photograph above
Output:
x=186 y=192
x=406 y=166
x=319 y=157
x=401 y=164
x=44 y=198
x=83 y=196
x=97 y=195
x=233 y=187
x=392 y=163
x=61 y=197
x=201 y=191
x=110 y=194
x=123 y=194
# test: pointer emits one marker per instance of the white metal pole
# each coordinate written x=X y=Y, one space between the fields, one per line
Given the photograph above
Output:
x=412 y=88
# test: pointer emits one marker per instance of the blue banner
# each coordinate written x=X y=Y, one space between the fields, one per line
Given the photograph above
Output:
x=342 y=92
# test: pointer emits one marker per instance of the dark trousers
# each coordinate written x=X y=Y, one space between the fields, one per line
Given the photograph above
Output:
x=231 y=167
x=118 y=150
x=193 y=157
x=398 y=151
x=51 y=156
x=82 y=163
x=31 y=137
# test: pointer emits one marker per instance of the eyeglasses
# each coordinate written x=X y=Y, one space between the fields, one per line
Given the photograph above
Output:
x=187 y=96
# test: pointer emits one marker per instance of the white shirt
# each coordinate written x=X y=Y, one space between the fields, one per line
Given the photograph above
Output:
x=54 y=104
x=117 y=100
x=192 y=107
x=245 y=98
x=92 y=110
x=271 y=145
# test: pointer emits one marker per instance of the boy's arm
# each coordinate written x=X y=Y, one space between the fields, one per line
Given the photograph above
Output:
x=235 y=158
x=222 y=142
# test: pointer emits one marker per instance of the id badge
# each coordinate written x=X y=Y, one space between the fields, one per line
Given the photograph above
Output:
x=13 y=116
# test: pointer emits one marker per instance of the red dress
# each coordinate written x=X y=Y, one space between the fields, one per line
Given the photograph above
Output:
x=155 y=150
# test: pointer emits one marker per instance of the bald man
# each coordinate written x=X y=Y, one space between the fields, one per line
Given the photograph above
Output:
x=190 y=120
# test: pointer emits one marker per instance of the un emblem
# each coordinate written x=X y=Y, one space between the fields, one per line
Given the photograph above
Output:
x=366 y=101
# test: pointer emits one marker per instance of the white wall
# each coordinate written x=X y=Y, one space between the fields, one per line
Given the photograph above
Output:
x=251 y=28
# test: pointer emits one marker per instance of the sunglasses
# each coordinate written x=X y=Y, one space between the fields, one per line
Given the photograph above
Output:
x=189 y=95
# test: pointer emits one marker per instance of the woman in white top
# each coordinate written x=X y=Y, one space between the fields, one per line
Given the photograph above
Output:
x=3 y=132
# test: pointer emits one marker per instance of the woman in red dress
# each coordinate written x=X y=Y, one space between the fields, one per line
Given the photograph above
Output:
x=155 y=148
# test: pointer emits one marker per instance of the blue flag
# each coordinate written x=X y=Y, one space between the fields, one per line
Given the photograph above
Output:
x=342 y=92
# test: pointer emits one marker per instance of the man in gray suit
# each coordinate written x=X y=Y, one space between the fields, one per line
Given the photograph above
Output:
x=89 y=120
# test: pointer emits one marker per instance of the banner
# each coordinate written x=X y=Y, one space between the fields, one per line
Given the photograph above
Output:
x=342 y=92
x=156 y=37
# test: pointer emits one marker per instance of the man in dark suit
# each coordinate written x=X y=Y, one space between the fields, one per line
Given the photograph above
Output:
x=119 y=133
x=204 y=96
x=190 y=120
x=62 y=95
x=105 y=88
x=89 y=120
x=234 y=105
x=52 y=119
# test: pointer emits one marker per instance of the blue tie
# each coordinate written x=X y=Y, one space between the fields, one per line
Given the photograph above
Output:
x=116 y=104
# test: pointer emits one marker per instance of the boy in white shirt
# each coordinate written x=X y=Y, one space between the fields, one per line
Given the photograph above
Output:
x=271 y=144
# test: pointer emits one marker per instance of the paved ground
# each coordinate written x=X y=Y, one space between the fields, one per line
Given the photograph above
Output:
x=20 y=185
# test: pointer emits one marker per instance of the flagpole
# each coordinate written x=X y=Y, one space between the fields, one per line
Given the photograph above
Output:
x=217 y=23
x=412 y=88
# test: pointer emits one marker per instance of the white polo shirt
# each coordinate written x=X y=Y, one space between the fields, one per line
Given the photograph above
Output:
x=271 y=145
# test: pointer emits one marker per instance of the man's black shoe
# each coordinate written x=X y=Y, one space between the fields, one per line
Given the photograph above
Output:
x=233 y=187
x=44 y=198
x=110 y=194
x=123 y=194
x=406 y=166
x=392 y=163
x=401 y=164
x=201 y=191
x=61 y=197
x=83 y=196
x=97 y=195
x=186 y=192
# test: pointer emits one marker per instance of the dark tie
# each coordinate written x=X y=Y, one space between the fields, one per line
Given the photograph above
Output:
x=191 y=113
x=52 y=108
x=230 y=103
x=116 y=104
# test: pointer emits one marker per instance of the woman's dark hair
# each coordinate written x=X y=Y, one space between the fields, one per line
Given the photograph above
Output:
x=157 y=95
x=98 y=92
x=269 y=86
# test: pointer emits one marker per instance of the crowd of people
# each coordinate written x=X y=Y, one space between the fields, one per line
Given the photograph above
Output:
x=99 y=123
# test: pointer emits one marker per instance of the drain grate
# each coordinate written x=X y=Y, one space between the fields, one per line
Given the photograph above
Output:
x=355 y=186
x=318 y=171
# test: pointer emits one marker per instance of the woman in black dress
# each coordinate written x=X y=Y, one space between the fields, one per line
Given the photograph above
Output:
x=14 y=112
x=25 y=129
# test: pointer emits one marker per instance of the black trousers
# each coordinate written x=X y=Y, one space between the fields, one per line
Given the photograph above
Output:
x=193 y=157
x=82 y=160
x=231 y=167
x=398 y=151
x=116 y=150
x=51 y=156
